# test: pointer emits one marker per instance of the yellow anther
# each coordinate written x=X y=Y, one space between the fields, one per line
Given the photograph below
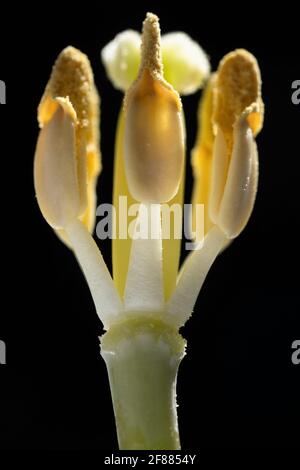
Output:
x=154 y=131
x=72 y=79
x=237 y=91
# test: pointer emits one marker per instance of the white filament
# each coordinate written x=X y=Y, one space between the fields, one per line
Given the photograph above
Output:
x=106 y=298
x=144 y=285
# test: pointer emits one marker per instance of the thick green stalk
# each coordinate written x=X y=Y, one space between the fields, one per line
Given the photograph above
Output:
x=142 y=356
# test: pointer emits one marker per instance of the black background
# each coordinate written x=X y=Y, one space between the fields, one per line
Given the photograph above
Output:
x=237 y=385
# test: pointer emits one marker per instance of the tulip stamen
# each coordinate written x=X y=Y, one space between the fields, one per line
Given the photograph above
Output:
x=147 y=302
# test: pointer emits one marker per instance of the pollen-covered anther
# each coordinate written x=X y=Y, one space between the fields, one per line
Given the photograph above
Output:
x=238 y=90
x=237 y=118
x=72 y=82
x=154 y=130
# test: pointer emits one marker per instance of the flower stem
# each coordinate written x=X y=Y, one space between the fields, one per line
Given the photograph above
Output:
x=142 y=358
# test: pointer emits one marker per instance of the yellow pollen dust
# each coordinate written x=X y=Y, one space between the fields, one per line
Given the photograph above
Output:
x=72 y=78
x=237 y=90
